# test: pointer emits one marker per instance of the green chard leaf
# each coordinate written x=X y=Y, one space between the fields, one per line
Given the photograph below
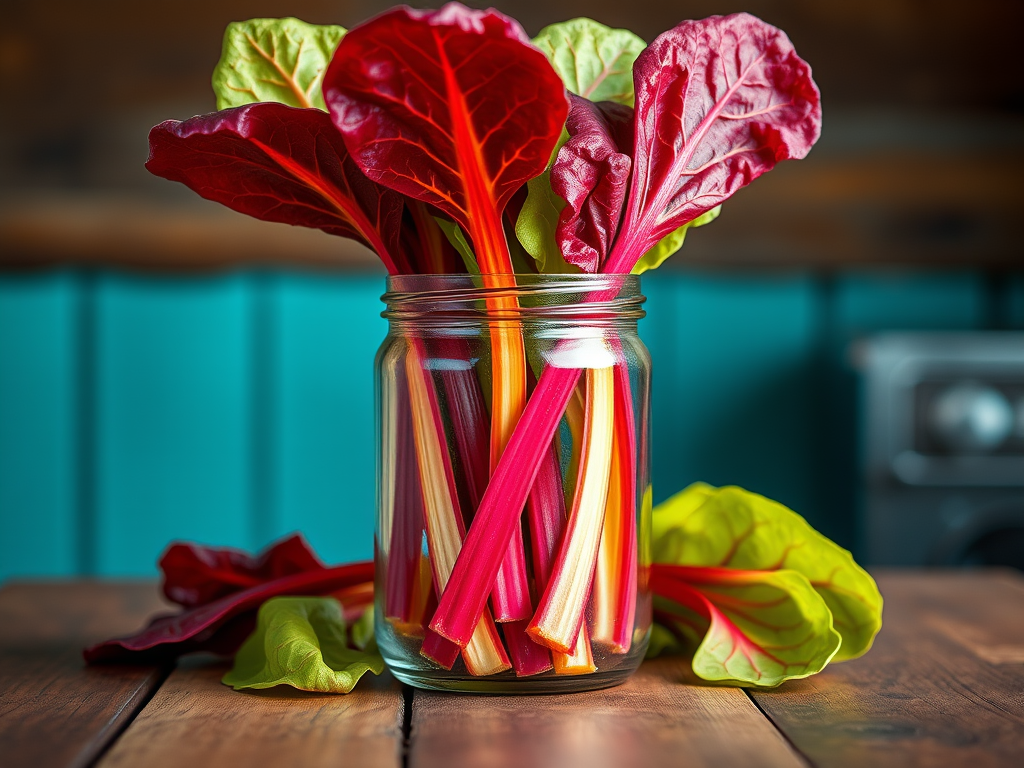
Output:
x=593 y=60
x=735 y=529
x=302 y=642
x=759 y=628
x=672 y=242
x=279 y=60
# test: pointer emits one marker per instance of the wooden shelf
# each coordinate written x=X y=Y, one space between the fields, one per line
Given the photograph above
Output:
x=906 y=210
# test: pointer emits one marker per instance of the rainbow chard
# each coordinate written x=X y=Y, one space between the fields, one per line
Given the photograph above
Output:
x=750 y=102
x=718 y=102
x=279 y=163
x=455 y=108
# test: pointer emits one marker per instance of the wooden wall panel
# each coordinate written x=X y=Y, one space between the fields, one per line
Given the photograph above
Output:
x=38 y=425
x=326 y=333
x=172 y=417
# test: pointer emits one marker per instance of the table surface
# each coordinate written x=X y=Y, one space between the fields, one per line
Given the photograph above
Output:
x=944 y=685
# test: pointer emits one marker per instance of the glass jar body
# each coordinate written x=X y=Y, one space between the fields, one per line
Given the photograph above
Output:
x=556 y=508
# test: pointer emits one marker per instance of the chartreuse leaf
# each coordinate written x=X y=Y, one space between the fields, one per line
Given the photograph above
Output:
x=736 y=529
x=762 y=627
x=274 y=60
x=593 y=60
x=458 y=240
x=535 y=227
x=301 y=642
x=672 y=242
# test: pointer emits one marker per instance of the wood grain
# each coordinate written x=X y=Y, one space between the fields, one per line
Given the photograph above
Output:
x=660 y=717
x=942 y=686
x=196 y=721
x=55 y=711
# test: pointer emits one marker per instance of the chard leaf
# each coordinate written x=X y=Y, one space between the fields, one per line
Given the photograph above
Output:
x=453 y=232
x=220 y=626
x=279 y=163
x=452 y=107
x=718 y=102
x=762 y=627
x=195 y=575
x=537 y=223
x=301 y=642
x=591 y=174
x=593 y=60
x=279 y=60
x=736 y=529
x=672 y=242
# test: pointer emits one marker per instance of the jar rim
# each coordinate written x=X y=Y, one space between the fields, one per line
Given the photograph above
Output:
x=511 y=297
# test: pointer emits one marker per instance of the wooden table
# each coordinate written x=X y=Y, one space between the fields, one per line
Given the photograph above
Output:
x=944 y=685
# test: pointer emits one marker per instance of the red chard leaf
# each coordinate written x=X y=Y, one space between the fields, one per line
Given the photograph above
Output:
x=222 y=625
x=591 y=174
x=718 y=102
x=283 y=164
x=453 y=107
x=195 y=575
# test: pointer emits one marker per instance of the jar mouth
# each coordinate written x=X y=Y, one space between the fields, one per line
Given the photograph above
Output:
x=476 y=297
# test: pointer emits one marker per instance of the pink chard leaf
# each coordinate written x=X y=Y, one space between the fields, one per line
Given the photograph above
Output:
x=452 y=107
x=718 y=102
x=591 y=174
x=279 y=163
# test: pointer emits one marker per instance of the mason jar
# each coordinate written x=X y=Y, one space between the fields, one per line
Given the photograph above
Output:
x=512 y=542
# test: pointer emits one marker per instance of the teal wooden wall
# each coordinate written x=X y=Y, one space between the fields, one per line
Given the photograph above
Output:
x=232 y=409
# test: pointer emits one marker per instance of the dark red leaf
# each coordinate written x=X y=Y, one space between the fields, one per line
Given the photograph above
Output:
x=718 y=103
x=195 y=575
x=280 y=163
x=222 y=625
x=591 y=174
x=452 y=107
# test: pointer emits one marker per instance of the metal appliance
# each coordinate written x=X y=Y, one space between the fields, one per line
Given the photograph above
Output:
x=943 y=448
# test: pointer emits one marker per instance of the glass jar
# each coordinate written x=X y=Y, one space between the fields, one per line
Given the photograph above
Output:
x=512 y=544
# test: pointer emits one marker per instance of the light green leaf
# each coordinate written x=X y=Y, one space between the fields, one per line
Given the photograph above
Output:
x=301 y=642
x=274 y=60
x=458 y=240
x=536 y=225
x=733 y=528
x=593 y=60
x=766 y=627
x=362 y=630
x=672 y=242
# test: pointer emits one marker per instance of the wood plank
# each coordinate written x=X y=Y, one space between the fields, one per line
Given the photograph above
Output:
x=54 y=711
x=662 y=716
x=944 y=684
x=196 y=721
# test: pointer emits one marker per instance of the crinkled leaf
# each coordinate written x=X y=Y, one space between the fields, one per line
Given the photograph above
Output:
x=301 y=642
x=453 y=107
x=733 y=528
x=220 y=626
x=280 y=60
x=763 y=627
x=672 y=242
x=718 y=102
x=591 y=173
x=194 y=575
x=278 y=163
x=593 y=60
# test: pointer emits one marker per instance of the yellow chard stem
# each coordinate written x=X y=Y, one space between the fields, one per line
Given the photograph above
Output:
x=558 y=621
x=484 y=654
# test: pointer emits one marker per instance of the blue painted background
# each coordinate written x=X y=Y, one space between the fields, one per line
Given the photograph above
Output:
x=231 y=409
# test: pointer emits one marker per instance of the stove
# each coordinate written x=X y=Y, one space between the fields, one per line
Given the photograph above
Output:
x=943 y=437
